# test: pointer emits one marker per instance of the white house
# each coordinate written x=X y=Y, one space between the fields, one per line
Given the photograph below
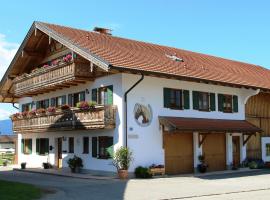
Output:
x=169 y=106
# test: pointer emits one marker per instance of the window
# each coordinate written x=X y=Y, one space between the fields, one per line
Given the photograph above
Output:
x=102 y=147
x=71 y=145
x=85 y=145
x=42 y=146
x=176 y=99
x=267 y=149
x=103 y=95
x=75 y=98
x=227 y=103
x=43 y=104
x=204 y=101
x=26 y=145
x=26 y=107
x=58 y=101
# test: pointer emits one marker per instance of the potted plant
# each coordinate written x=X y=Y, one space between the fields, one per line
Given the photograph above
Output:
x=33 y=113
x=92 y=105
x=122 y=159
x=202 y=167
x=75 y=164
x=41 y=111
x=23 y=165
x=65 y=107
x=67 y=58
x=46 y=165
x=83 y=105
x=25 y=114
x=51 y=110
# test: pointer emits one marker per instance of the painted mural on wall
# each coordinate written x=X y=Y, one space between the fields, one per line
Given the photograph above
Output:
x=143 y=114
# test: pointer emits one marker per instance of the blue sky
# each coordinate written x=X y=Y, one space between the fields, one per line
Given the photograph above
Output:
x=232 y=29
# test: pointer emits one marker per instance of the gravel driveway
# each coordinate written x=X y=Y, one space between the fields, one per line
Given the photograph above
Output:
x=254 y=185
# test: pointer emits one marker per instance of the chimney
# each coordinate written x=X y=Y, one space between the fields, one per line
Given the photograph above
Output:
x=102 y=30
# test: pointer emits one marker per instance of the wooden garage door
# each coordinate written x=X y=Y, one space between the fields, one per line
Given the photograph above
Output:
x=178 y=153
x=214 y=150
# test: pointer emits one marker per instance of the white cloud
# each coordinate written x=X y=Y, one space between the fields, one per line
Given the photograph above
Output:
x=7 y=52
x=4 y=114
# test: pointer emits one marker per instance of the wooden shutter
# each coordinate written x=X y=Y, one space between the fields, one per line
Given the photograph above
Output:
x=70 y=100
x=186 y=99
x=235 y=103
x=82 y=96
x=94 y=147
x=109 y=147
x=220 y=102
x=64 y=101
x=46 y=141
x=166 y=97
x=212 y=101
x=30 y=146
x=22 y=145
x=94 y=95
x=110 y=95
x=195 y=96
x=46 y=103
x=38 y=146
x=53 y=102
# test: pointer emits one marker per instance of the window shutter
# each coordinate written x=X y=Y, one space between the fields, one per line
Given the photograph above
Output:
x=186 y=99
x=220 y=102
x=212 y=101
x=47 y=145
x=30 y=146
x=82 y=96
x=53 y=102
x=110 y=94
x=37 y=104
x=47 y=103
x=22 y=145
x=166 y=96
x=109 y=147
x=64 y=101
x=70 y=102
x=94 y=147
x=37 y=146
x=235 y=103
x=195 y=96
x=94 y=95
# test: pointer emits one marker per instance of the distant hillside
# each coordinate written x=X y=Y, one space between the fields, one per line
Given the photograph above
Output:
x=6 y=127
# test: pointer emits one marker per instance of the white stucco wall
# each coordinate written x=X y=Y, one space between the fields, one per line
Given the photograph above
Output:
x=146 y=142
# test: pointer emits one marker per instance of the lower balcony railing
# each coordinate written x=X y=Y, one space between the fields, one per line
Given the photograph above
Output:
x=101 y=117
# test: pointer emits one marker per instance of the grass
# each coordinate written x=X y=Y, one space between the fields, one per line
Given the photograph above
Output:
x=18 y=191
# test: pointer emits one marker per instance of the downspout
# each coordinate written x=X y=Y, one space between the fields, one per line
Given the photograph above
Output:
x=13 y=105
x=125 y=99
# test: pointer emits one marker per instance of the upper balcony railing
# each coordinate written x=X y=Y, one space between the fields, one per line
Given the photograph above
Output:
x=100 y=117
x=49 y=78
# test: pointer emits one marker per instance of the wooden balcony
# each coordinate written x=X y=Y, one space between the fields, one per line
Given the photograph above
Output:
x=52 y=78
x=102 y=117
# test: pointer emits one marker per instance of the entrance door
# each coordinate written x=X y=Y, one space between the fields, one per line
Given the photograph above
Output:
x=236 y=150
x=214 y=150
x=178 y=153
x=59 y=152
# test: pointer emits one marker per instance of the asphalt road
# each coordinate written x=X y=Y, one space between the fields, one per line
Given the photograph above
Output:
x=249 y=185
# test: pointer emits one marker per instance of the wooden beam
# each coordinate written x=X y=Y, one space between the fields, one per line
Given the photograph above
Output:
x=33 y=53
x=202 y=140
x=247 y=139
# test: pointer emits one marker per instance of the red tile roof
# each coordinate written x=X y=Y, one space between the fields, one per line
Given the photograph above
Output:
x=136 y=55
x=211 y=125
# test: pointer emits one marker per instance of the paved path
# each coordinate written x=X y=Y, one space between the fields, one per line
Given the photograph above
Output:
x=250 y=185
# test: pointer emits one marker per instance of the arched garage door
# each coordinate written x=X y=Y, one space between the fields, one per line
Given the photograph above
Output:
x=178 y=153
x=214 y=150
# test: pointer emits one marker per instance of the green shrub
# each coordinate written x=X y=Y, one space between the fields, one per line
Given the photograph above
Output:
x=253 y=165
x=142 y=172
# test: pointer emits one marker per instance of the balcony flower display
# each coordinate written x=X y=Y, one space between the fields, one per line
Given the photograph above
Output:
x=51 y=110
x=67 y=58
x=41 y=111
x=33 y=113
x=65 y=107
x=83 y=105
x=56 y=62
x=25 y=114
x=16 y=116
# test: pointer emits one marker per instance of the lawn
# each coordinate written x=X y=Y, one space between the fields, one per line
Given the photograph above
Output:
x=20 y=191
